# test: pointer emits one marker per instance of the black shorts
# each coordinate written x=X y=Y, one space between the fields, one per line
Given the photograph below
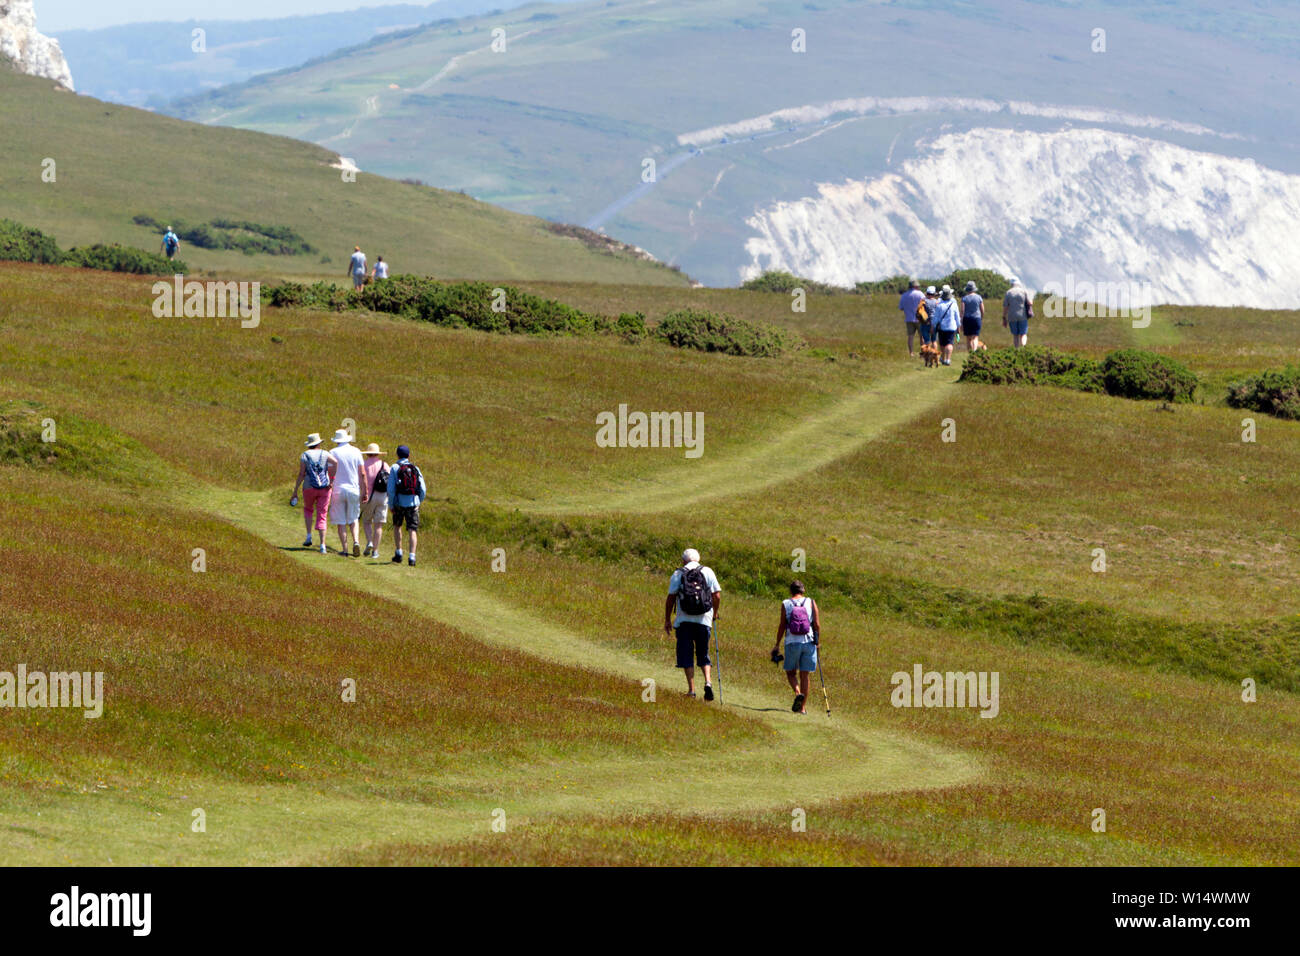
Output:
x=411 y=517
x=971 y=327
x=946 y=338
x=692 y=640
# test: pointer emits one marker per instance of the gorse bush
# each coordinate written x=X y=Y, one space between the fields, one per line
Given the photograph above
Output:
x=991 y=285
x=123 y=259
x=249 y=238
x=711 y=332
x=1127 y=373
x=1137 y=373
x=506 y=309
x=787 y=282
x=1273 y=392
x=21 y=244
x=1034 y=365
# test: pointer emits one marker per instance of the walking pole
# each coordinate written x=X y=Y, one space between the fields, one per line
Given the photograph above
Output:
x=823 y=680
x=717 y=650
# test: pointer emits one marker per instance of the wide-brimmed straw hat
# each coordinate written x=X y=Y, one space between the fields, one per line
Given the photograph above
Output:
x=313 y=440
x=341 y=437
x=372 y=449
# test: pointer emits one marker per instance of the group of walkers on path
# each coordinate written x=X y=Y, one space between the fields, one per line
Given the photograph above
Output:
x=691 y=612
x=939 y=316
x=356 y=491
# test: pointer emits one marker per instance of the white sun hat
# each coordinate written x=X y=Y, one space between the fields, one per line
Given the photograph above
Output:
x=341 y=437
x=312 y=440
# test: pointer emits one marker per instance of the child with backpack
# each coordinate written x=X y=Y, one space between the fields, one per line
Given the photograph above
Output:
x=314 y=479
x=695 y=595
x=801 y=627
x=406 y=492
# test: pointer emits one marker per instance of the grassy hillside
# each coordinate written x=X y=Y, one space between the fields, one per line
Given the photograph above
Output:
x=113 y=163
x=482 y=691
x=560 y=122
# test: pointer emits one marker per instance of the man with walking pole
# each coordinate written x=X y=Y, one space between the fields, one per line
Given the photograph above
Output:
x=694 y=596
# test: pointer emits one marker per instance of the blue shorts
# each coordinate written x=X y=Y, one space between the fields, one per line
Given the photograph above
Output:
x=971 y=326
x=927 y=332
x=692 y=642
x=946 y=337
x=1019 y=326
x=801 y=657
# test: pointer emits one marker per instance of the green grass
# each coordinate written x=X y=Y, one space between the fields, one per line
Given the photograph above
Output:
x=483 y=690
x=114 y=162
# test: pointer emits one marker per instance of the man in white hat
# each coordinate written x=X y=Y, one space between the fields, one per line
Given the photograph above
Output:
x=347 y=494
x=374 y=511
x=695 y=594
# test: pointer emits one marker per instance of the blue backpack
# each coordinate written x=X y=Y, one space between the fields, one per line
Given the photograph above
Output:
x=318 y=475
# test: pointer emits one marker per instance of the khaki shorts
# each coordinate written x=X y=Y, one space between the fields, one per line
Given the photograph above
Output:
x=375 y=509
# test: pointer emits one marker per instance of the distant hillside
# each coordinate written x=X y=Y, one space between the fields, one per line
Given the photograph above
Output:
x=853 y=159
x=150 y=64
x=114 y=163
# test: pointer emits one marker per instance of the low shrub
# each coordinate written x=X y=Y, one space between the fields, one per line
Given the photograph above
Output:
x=1137 y=373
x=117 y=258
x=711 y=332
x=1273 y=392
x=778 y=281
x=1033 y=365
x=21 y=244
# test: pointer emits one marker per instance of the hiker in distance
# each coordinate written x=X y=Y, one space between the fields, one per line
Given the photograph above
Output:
x=357 y=267
x=348 y=494
x=406 y=491
x=1017 y=310
x=695 y=595
x=170 y=243
x=314 y=466
x=907 y=304
x=800 y=627
x=947 y=322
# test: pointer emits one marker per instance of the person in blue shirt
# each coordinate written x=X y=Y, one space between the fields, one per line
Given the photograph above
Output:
x=972 y=316
x=171 y=242
x=406 y=492
x=946 y=321
x=907 y=304
x=357 y=267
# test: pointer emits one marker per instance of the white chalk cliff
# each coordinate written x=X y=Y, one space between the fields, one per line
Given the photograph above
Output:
x=30 y=51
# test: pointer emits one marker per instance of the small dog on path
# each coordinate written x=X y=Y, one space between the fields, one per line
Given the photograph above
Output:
x=930 y=353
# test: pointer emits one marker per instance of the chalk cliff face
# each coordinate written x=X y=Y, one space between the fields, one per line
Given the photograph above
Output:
x=29 y=50
x=1067 y=207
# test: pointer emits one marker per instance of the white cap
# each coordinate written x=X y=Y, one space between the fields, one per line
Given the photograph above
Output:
x=689 y=555
x=1015 y=280
x=931 y=290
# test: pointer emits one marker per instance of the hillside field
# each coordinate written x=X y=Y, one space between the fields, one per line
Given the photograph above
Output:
x=520 y=695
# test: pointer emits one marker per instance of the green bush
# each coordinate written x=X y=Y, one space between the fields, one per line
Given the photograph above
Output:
x=489 y=308
x=631 y=325
x=1137 y=373
x=117 y=258
x=1033 y=365
x=20 y=244
x=1273 y=392
x=235 y=234
x=399 y=294
x=991 y=285
x=786 y=282
x=711 y=332
x=891 y=285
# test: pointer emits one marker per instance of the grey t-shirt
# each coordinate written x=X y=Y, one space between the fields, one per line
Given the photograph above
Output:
x=1016 y=303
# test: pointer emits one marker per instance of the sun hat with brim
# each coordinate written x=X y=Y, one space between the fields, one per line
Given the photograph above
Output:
x=372 y=449
x=341 y=437
x=930 y=290
x=313 y=440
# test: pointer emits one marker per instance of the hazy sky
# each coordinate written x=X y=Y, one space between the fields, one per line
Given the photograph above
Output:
x=55 y=15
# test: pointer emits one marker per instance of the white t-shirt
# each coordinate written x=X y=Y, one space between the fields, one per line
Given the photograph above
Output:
x=806 y=603
x=675 y=585
x=347 y=473
x=381 y=270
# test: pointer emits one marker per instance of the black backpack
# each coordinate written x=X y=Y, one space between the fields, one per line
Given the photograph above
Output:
x=693 y=596
x=408 y=479
x=381 y=481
